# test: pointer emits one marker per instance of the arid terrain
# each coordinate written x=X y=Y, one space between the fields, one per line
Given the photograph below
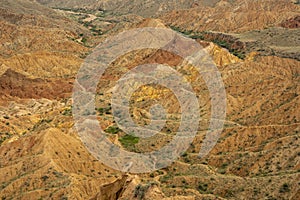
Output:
x=255 y=46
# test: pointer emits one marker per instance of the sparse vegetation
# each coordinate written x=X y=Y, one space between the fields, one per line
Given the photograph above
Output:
x=202 y=187
x=5 y=136
x=129 y=141
x=67 y=111
x=84 y=40
x=106 y=110
x=202 y=36
x=256 y=155
x=140 y=191
x=112 y=130
x=284 y=188
x=222 y=169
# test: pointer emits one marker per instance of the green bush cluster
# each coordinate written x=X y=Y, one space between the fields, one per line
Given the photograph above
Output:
x=128 y=141
x=112 y=130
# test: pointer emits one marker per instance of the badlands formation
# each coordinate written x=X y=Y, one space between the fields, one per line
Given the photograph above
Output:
x=255 y=46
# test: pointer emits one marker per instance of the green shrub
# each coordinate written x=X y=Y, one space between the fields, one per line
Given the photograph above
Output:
x=67 y=112
x=284 y=188
x=201 y=37
x=222 y=43
x=104 y=110
x=202 y=187
x=112 y=130
x=140 y=191
x=84 y=40
x=129 y=141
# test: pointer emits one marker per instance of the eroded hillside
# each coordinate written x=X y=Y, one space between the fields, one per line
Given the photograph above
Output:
x=255 y=49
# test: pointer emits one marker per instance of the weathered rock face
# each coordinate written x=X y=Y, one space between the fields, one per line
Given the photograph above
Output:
x=36 y=43
x=39 y=42
x=112 y=190
x=44 y=64
x=256 y=156
x=221 y=56
x=15 y=85
x=238 y=16
x=147 y=8
x=291 y=23
x=54 y=165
